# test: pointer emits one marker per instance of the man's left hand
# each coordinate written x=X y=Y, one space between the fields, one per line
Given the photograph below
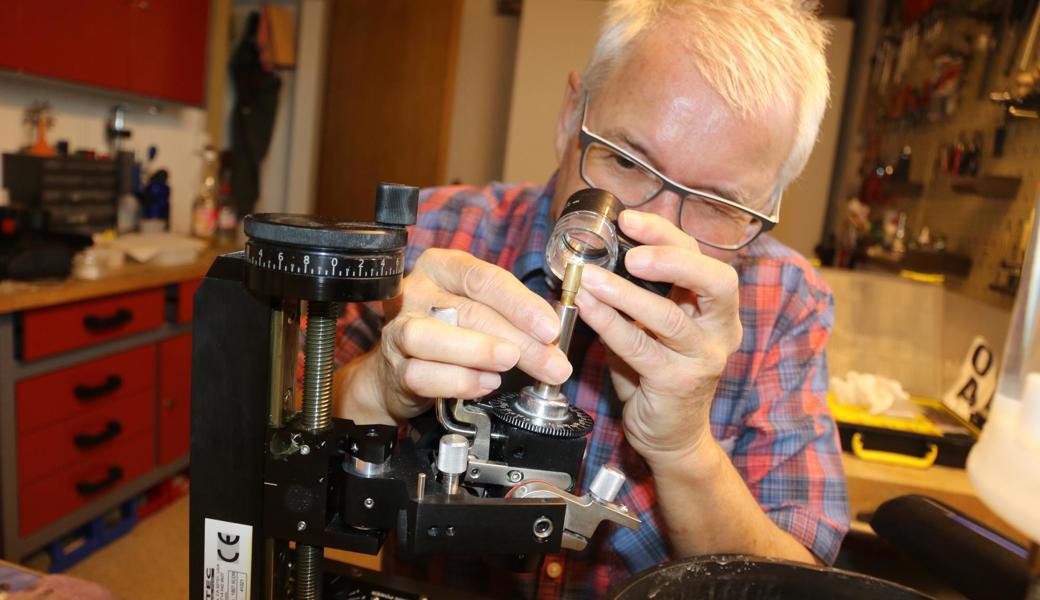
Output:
x=666 y=364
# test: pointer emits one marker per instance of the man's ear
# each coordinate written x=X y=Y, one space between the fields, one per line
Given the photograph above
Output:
x=564 y=127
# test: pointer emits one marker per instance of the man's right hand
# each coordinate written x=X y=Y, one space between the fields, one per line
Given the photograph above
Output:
x=502 y=324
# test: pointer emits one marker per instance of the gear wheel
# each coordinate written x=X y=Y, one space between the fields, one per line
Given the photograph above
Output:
x=577 y=423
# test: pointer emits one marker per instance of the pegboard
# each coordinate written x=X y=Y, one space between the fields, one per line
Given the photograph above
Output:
x=989 y=230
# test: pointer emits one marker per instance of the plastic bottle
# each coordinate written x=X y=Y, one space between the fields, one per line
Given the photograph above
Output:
x=128 y=213
x=156 y=209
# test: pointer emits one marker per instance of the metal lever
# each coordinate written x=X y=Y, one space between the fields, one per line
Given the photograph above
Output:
x=483 y=471
x=585 y=513
x=462 y=418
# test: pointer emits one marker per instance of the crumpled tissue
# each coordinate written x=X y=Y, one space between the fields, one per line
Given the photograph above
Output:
x=875 y=393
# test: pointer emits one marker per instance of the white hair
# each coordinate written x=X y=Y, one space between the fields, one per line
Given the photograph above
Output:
x=753 y=53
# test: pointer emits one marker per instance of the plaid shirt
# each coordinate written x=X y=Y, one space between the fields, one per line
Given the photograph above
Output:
x=769 y=412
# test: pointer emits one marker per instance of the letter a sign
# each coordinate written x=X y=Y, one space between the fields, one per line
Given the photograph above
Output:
x=973 y=389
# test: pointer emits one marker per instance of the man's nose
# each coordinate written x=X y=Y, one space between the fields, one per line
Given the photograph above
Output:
x=665 y=204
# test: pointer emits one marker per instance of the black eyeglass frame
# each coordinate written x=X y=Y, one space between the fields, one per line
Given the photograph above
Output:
x=586 y=138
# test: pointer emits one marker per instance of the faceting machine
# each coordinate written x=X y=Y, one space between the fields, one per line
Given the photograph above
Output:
x=276 y=478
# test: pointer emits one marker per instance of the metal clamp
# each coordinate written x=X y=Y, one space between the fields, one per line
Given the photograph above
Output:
x=495 y=473
x=584 y=514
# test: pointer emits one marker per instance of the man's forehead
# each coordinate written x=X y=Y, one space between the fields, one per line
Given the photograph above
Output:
x=621 y=137
x=656 y=103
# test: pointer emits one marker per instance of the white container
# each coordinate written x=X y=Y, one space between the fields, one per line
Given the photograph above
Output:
x=1004 y=465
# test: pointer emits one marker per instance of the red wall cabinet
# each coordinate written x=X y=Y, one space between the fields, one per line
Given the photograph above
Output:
x=150 y=47
x=10 y=51
x=78 y=41
x=168 y=49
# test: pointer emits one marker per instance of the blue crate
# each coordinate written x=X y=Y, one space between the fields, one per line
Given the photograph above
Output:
x=92 y=536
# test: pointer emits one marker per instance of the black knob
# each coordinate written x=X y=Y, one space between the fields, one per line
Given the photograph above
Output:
x=396 y=204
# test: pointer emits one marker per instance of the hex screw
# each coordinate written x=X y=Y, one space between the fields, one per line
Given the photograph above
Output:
x=542 y=528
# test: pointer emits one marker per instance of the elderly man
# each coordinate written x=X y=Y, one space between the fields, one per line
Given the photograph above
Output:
x=696 y=114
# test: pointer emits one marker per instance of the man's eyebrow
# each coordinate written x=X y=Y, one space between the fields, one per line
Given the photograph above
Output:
x=732 y=195
x=638 y=148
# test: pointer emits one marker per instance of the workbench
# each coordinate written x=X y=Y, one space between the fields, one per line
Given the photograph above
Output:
x=870 y=484
x=94 y=396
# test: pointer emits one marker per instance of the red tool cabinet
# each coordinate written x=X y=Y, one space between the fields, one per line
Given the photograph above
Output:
x=94 y=407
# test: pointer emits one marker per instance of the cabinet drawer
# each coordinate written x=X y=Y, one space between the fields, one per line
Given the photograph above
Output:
x=75 y=440
x=75 y=390
x=55 y=329
x=55 y=496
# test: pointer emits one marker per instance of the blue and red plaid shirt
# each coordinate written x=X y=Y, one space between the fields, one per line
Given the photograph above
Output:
x=769 y=412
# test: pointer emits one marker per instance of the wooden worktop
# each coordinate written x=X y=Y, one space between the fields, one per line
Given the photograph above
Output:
x=870 y=484
x=23 y=295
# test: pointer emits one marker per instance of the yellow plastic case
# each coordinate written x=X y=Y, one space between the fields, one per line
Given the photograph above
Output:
x=933 y=436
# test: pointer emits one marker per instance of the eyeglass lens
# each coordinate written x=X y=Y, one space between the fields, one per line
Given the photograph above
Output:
x=703 y=218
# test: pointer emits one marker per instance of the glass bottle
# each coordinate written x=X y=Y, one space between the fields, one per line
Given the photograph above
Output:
x=227 y=219
x=204 y=210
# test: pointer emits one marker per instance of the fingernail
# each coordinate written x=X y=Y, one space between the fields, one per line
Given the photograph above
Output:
x=546 y=330
x=637 y=258
x=559 y=369
x=490 y=381
x=632 y=219
x=506 y=356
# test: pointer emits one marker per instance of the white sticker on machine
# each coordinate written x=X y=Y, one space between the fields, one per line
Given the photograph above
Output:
x=228 y=556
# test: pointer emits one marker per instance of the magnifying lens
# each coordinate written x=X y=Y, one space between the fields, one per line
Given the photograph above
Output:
x=587 y=233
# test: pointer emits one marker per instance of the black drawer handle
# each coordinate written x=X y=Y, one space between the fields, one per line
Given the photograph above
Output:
x=89 y=488
x=89 y=440
x=96 y=324
x=93 y=392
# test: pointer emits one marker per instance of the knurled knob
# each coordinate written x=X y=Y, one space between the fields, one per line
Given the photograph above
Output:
x=396 y=204
x=607 y=483
x=453 y=454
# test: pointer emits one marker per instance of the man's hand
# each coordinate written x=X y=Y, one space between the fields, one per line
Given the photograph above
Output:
x=502 y=324
x=665 y=368
x=666 y=364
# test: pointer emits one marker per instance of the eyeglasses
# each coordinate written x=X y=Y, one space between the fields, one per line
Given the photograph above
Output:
x=707 y=217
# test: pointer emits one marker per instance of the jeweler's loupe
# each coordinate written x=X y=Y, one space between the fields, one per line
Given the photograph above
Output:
x=587 y=233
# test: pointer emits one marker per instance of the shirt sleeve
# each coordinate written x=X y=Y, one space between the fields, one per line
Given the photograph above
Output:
x=789 y=452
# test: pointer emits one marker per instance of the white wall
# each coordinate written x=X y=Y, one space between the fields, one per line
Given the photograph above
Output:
x=80 y=116
x=483 y=81
x=308 y=90
x=556 y=37
x=915 y=333
x=804 y=205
